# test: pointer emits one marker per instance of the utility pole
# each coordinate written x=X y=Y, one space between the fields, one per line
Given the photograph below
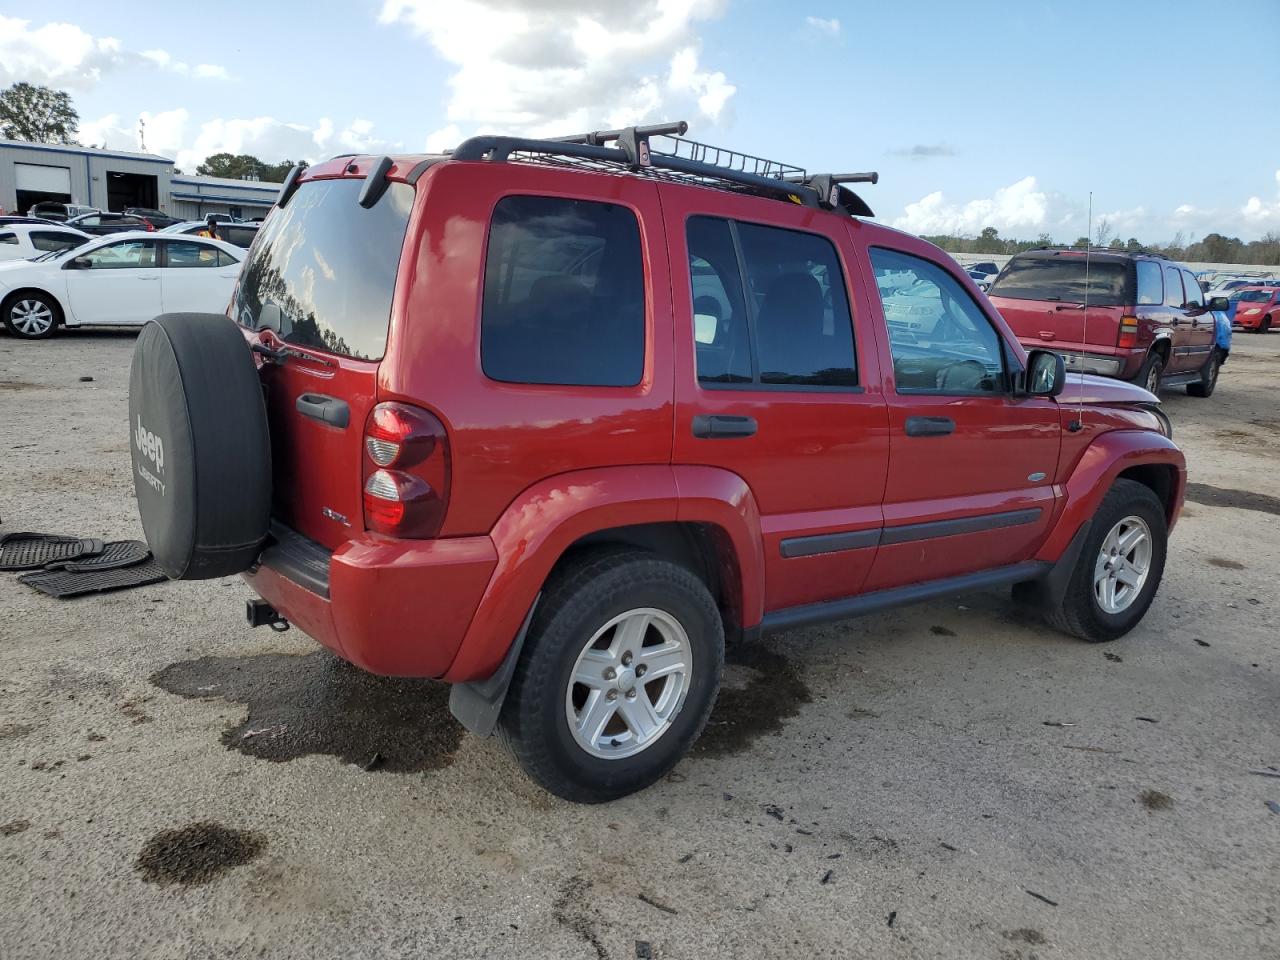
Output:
x=142 y=135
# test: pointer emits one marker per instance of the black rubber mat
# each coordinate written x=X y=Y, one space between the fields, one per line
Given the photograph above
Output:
x=66 y=583
x=30 y=551
x=116 y=554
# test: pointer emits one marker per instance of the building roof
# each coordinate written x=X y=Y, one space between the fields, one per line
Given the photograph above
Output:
x=185 y=178
x=87 y=151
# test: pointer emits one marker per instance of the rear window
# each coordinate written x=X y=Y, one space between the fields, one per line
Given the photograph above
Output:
x=330 y=265
x=563 y=294
x=1064 y=279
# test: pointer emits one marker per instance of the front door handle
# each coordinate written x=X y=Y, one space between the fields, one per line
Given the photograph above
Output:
x=723 y=427
x=930 y=426
x=328 y=410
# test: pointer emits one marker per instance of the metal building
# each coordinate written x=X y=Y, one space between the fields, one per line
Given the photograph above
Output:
x=113 y=180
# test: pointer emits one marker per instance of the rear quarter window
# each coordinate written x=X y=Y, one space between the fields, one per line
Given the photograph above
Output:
x=1150 y=283
x=563 y=294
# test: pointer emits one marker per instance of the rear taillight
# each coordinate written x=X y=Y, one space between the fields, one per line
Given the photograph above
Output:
x=406 y=472
x=1128 y=332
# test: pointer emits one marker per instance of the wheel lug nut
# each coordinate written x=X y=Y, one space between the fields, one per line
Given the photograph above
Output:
x=610 y=673
x=631 y=694
x=641 y=670
x=626 y=659
x=612 y=695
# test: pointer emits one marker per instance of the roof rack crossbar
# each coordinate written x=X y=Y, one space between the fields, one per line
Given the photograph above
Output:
x=600 y=137
x=498 y=148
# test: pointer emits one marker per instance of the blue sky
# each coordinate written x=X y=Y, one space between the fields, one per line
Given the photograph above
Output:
x=1165 y=111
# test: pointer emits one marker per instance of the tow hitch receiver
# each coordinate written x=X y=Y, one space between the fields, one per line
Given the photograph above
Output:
x=259 y=613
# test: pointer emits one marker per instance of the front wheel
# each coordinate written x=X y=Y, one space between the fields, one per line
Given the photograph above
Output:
x=31 y=315
x=1208 y=377
x=1119 y=568
x=617 y=677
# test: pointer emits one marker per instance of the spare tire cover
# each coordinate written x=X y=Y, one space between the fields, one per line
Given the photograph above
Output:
x=200 y=446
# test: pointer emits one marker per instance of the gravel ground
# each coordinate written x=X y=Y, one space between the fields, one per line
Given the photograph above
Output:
x=951 y=780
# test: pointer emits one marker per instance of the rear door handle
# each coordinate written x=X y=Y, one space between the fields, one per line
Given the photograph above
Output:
x=930 y=426
x=328 y=410
x=723 y=427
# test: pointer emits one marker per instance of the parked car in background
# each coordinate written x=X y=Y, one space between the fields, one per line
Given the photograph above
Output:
x=983 y=266
x=1147 y=319
x=1257 y=308
x=14 y=218
x=60 y=212
x=241 y=234
x=120 y=279
x=1224 y=287
x=101 y=224
x=982 y=279
x=633 y=417
x=25 y=241
x=157 y=218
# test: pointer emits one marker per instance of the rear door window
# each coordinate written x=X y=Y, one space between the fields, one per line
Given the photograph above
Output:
x=9 y=238
x=1150 y=283
x=786 y=323
x=184 y=253
x=563 y=294
x=1173 y=288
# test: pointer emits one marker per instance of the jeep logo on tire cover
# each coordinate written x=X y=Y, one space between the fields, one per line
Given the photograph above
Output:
x=151 y=447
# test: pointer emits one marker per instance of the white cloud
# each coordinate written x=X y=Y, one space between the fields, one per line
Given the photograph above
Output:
x=64 y=55
x=558 y=66
x=1020 y=208
x=830 y=28
x=1262 y=213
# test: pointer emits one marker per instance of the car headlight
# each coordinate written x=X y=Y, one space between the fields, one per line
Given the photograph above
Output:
x=1162 y=418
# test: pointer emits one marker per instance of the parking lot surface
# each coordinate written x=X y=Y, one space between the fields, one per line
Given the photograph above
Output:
x=949 y=780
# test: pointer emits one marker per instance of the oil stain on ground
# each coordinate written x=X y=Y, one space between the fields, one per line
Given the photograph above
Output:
x=1237 y=499
x=196 y=853
x=1155 y=800
x=318 y=704
x=774 y=693
x=1226 y=564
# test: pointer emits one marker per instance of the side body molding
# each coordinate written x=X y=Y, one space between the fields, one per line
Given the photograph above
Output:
x=547 y=518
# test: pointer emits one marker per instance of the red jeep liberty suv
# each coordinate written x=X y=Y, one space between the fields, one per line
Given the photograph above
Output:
x=551 y=420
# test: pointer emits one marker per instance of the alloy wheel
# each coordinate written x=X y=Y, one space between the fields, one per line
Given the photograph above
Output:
x=1122 y=566
x=31 y=317
x=629 y=683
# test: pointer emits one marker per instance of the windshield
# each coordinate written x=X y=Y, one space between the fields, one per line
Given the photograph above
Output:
x=1063 y=278
x=55 y=254
x=330 y=266
x=1253 y=296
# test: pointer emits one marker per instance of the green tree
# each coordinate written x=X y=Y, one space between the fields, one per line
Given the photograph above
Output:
x=1133 y=246
x=37 y=114
x=1081 y=243
x=1116 y=244
x=243 y=166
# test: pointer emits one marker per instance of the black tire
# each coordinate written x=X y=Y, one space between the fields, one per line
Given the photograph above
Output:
x=15 y=300
x=1152 y=372
x=1080 y=613
x=200 y=447
x=1265 y=326
x=580 y=598
x=1208 y=377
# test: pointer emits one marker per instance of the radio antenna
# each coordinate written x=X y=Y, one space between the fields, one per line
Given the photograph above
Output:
x=1084 y=323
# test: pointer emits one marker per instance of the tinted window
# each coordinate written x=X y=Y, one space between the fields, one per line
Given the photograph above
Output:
x=124 y=255
x=563 y=294
x=89 y=221
x=8 y=238
x=225 y=259
x=47 y=240
x=1172 y=287
x=804 y=334
x=940 y=339
x=186 y=254
x=330 y=265
x=1150 y=283
x=1064 y=278
x=1192 y=287
x=721 y=330
x=240 y=236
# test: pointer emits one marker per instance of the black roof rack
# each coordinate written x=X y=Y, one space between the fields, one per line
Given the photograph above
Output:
x=661 y=151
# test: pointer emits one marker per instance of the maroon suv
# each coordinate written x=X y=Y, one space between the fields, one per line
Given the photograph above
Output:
x=1147 y=319
x=553 y=421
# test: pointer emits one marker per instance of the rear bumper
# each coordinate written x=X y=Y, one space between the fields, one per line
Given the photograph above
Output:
x=1116 y=363
x=393 y=607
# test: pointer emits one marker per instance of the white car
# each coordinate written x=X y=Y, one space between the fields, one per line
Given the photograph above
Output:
x=26 y=241
x=120 y=279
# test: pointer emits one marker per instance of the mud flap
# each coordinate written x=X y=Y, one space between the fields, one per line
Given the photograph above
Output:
x=477 y=704
x=1049 y=590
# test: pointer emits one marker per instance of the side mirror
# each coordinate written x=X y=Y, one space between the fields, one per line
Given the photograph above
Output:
x=1220 y=304
x=1046 y=373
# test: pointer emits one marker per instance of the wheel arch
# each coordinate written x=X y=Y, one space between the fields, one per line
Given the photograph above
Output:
x=17 y=292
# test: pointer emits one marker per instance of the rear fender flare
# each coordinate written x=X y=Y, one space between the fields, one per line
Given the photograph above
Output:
x=1099 y=466
x=537 y=528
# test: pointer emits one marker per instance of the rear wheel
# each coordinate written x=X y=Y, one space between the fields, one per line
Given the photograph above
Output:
x=617 y=678
x=1208 y=377
x=1119 y=569
x=1151 y=373
x=31 y=315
